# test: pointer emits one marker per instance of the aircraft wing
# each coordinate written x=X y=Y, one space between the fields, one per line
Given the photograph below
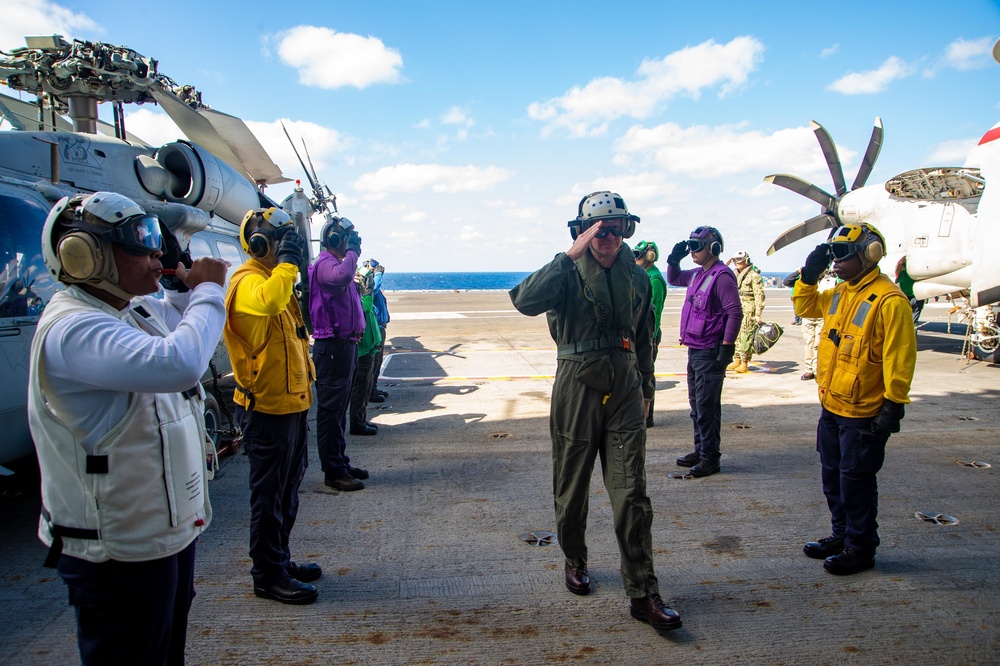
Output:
x=937 y=184
x=221 y=135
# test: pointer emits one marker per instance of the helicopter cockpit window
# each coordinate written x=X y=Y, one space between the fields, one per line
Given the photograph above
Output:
x=25 y=284
x=230 y=251
x=199 y=248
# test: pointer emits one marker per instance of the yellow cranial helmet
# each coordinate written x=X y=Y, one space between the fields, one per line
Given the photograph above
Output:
x=862 y=239
x=254 y=243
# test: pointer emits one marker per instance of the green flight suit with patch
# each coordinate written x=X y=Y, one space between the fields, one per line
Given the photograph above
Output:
x=602 y=323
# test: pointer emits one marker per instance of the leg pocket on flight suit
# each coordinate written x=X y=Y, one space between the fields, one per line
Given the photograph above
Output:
x=625 y=459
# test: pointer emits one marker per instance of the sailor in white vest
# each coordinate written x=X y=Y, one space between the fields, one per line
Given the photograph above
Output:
x=116 y=414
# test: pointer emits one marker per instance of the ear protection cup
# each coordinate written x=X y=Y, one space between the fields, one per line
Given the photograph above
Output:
x=874 y=252
x=715 y=248
x=81 y=255
x=330 y=236
x=650 y=256
x=259 y=244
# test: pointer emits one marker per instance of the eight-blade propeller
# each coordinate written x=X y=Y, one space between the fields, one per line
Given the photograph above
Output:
x=829 y=218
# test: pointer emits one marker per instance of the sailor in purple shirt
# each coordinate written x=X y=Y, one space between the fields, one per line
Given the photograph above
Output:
x=710 y=323
x=338 y=324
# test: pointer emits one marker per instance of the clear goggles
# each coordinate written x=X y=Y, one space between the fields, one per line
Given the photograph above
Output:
x=138 y=235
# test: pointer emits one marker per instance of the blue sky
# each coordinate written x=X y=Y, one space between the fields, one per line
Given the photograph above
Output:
x=460 y=136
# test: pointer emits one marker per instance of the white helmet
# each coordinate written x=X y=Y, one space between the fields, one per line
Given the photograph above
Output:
x=602 y=206
x=79 y=232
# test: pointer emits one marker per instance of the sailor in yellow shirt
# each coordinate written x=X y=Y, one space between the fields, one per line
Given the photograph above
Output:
x=269 y=348
x=864 y=368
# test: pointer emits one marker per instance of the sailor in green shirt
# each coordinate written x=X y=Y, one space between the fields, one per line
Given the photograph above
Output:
x=646 y=255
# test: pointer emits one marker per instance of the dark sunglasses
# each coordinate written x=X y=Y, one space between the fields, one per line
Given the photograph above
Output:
x=841 y=251
x=695 y=245
x=603 y=233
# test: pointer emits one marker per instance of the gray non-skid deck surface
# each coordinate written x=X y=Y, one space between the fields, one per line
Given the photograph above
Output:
x=426 y=566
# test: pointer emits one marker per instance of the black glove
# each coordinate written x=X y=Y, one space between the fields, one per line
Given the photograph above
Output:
x=291 y=248
x=172 y=256
x=887 y=421
x=725 y=356
x=354 y=243
x=817 y=262
x=678 y=253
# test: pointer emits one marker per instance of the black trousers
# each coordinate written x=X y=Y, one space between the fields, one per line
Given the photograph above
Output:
x=276 y=446
x=131 y=612
x=361 y=390
x=704 y=379
x=335 y=361
x=851 y=456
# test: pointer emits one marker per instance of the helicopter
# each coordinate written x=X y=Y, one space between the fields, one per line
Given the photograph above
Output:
x=201 y=187
x=944 y=221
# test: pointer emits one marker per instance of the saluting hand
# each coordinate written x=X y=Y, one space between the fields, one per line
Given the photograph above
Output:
x=582 y=241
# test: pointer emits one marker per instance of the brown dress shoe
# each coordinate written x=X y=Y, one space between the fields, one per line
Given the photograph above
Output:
x=651 y=609
x=806 y=376
x=577 y=580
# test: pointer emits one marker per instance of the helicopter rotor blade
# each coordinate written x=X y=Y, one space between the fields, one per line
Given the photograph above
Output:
x=312 y=183
x=874 y=147
x=803 y=229
x=832 y=158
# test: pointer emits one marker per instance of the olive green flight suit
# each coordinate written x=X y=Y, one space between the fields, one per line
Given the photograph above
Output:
x=602 y=323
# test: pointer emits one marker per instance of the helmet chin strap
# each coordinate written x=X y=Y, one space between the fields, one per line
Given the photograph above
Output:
x=114 y=289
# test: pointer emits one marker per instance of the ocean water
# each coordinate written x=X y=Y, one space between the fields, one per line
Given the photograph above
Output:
x=392 y=281
x=451 y=281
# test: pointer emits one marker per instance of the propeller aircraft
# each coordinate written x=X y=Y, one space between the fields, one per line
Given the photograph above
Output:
x=944 y=220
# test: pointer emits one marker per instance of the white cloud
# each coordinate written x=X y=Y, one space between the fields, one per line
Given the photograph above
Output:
x=701 y=151
x=469 y=233
x=588 y=110
x=411 y=218
x=329 y=59
x=951 y=153
x=529 y=213
x=872 y=81
x=42 y=17
x=438 y=178
x=829 y=51
x=323 y=144
x=457 y=116
x=154 y=127
x=969 y=54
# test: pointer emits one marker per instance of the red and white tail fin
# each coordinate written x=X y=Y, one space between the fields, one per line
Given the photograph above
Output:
x=985 y=287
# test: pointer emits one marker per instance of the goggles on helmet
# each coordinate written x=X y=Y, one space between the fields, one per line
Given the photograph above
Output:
x=841 y=251
x=695 y=245
x=616 y=230
x=137 y=235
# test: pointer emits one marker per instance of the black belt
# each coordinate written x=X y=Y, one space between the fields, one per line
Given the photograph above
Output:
x=596 y=344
